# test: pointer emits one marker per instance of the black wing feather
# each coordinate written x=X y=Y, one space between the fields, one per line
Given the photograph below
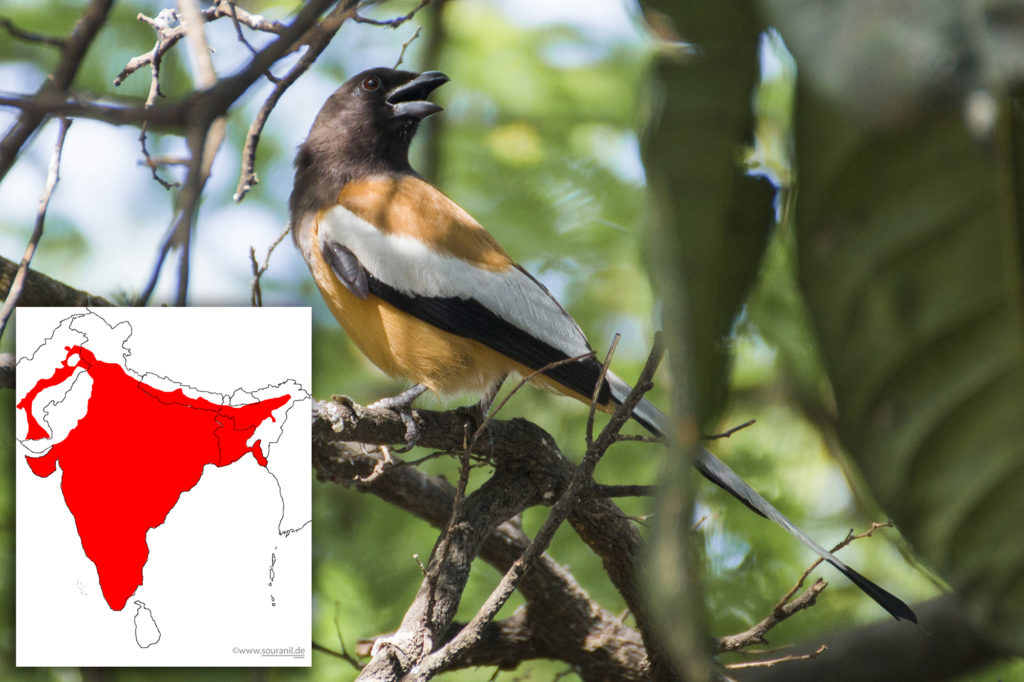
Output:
x=469 y=318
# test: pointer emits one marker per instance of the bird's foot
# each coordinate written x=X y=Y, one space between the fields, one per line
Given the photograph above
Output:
x=401 y=404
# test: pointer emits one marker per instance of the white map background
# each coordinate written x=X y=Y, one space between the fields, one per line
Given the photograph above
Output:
x=230 y=569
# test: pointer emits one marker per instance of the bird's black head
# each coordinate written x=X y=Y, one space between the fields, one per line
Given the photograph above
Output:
x=378 y=112
x=365 y=127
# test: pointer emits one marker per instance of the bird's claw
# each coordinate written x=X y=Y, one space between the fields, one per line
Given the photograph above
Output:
x=412 y=432
x=401 y=404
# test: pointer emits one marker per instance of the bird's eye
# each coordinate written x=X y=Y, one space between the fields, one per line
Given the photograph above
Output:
x=371 y=83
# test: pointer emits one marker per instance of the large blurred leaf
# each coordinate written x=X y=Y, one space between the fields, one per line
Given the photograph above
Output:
x=711 y=218
x=708 y=230
x=910 y=261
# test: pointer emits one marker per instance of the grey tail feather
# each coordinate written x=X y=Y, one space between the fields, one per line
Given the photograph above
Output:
x=719 y=473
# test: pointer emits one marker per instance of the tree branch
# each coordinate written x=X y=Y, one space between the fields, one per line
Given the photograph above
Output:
x=129 y=112
x=29 y=36
x=71 y=57
x=39 y=290
x=529 y=470
x=168 y=36
x=318 y=42
x=561 y=614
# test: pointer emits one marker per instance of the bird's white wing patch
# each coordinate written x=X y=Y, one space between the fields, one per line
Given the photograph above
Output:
x=411 y=267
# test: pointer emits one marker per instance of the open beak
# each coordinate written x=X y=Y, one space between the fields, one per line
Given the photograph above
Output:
x=410 y=99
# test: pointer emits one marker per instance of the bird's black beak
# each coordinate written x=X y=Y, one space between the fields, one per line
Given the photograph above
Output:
x=410 y=99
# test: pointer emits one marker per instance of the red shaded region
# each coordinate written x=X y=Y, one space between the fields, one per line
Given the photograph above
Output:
x=132 y=455
x=42 y=466
x=236 y=428
x=35 y=431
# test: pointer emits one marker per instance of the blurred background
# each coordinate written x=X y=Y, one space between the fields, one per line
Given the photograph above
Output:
x=540 y=141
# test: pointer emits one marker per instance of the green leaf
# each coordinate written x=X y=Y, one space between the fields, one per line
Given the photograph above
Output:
x=708 y=229
x=711 y=220
x=910 y=262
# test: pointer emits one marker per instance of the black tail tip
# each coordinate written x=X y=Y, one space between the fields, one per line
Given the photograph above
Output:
x=896 y=607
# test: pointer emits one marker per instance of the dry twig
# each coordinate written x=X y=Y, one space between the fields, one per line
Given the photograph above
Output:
x=170 y=35
x=729 y=432
x=52 y=176
x=595 y=396
x=787 y=605
x=256 y=298
x=29 y=36
x=392 y=23
x=162 y=24
x=775 y=661
x=405 y=46
x=317 y=43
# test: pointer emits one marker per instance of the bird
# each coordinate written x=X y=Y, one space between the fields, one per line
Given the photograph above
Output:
x=430 y=296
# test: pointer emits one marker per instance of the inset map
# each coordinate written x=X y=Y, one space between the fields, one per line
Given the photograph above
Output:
x=163 y=489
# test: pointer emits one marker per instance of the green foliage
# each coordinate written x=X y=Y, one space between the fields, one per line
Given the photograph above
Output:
x=904 y=236
x=909 y=242
x=709 y=225
x=911 y=264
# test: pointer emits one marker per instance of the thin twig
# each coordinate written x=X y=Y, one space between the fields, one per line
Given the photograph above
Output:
x=154 y=273
x=639 y=438
x=72 y=55
x=726 y=434
x=493 y=412
x=233 y=11
x=317 y=44
x=392 y=23
x=168 y=32
x=52 y=176
x=171 y=36
x=343 y=655
x=594 y=398
x=164 y=21
x=700 y=522
x=850 y=537
x=204 y=138
x=157 y=161
x=785 y=659
x=787 y=605
x=405 y=46
x=204 y=143
x=29 y=36
x=259 y=270
x=154 y=164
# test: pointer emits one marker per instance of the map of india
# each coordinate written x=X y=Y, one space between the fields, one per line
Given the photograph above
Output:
x=116 y=495
x=190 y=502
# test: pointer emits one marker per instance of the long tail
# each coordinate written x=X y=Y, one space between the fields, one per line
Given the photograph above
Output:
x=716 y=471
